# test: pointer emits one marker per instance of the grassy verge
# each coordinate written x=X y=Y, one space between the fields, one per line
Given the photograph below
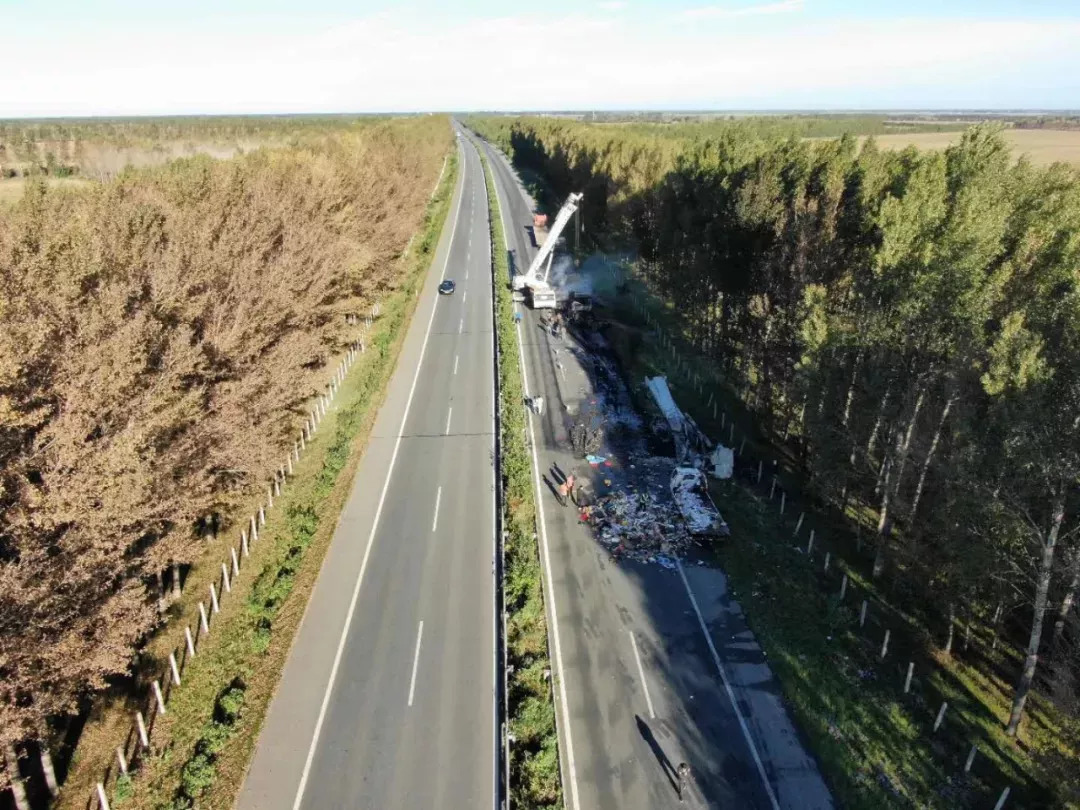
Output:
x=534 y=763
x=227 y=687
x=876 y=745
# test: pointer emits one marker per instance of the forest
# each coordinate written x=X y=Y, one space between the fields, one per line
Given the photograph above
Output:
x=906 y=324
x=161 y=334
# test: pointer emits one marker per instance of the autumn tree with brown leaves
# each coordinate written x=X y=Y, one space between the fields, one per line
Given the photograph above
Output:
x=159 y=337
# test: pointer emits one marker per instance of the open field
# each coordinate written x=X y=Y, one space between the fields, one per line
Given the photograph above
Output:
x=1042 y=146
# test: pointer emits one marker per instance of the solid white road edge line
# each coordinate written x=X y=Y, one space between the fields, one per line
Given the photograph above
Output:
x=570 y=763
x=435 y=520
x=374 y=526
x=641 y=673
x=727 y=687
x=415 y=661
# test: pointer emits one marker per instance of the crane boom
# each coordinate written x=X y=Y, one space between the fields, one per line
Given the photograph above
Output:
x=532 y=276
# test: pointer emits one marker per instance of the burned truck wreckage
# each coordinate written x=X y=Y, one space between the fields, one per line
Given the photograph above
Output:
x=639 y=501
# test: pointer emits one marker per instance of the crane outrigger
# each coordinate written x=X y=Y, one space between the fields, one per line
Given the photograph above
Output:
x=540 y=294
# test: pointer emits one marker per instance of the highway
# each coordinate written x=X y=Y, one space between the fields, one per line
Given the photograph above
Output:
x=387 y=699
x=655 y=667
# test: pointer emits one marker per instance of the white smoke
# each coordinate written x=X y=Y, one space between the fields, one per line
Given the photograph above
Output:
x=568 y=279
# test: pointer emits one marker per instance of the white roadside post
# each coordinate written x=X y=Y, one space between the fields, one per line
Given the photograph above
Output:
x=175 y=669
x=940 y=715
x=159 y=697
x=144 y=737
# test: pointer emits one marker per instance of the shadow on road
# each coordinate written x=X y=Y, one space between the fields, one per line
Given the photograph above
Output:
x=658 y=752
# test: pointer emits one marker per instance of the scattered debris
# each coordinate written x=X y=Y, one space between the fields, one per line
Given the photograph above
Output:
x=639 y=526
x=691 y=495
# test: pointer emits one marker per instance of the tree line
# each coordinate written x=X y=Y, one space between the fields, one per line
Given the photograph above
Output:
x=908 y=321
x=160 y=336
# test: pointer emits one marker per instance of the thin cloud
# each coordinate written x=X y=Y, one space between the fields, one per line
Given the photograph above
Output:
x=613 y=5
x=597 y=60
x=726 y=12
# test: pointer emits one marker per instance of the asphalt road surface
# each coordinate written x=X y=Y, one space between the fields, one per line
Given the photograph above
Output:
x=655 y=667
x=387 y=698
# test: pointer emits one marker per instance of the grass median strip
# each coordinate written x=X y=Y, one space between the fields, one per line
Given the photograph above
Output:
x=228 y=685
x=534 y=755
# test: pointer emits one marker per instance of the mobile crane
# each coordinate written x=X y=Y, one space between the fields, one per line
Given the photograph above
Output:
x=538 y=293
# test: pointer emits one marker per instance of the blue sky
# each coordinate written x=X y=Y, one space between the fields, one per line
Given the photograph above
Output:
x=117 y=57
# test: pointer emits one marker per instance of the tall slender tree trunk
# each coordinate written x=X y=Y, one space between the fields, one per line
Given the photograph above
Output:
x=872 y=441
x=18 y=789
x=952 y=626
x=48 y=770
x=898 y=476
x=850 y=397
x=1042 y=589
x=1069 y=597
x=885 y=518
x=929 y=458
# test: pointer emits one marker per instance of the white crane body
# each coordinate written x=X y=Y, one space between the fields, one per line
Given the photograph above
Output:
x=540 y=294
